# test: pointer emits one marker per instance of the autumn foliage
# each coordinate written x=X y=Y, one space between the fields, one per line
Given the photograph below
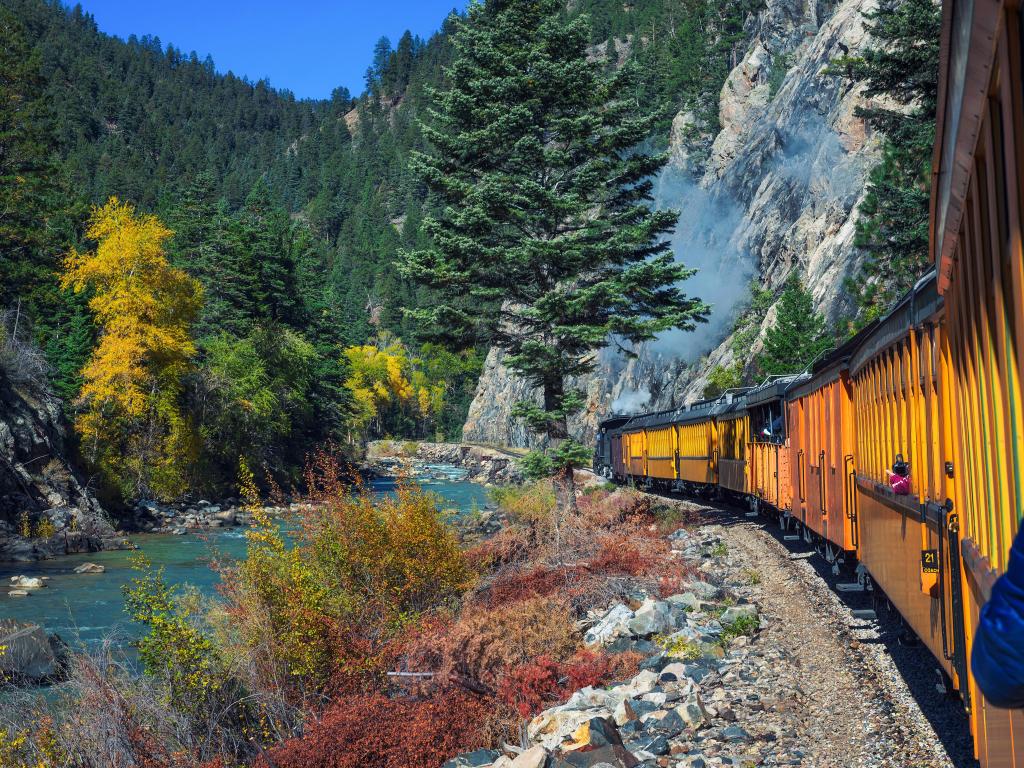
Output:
x=379 y=731
x=320 y=610
x=132 y=424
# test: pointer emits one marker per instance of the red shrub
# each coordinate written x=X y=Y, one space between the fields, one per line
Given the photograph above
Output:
x=378 y=732
x=509 y=546
x=617 y=556
x=544 y=682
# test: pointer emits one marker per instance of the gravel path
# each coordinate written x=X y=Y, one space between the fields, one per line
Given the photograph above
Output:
x=835 y=694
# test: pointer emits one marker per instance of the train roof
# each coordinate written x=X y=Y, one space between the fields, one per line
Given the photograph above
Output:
x=775 y=388
x=700 y=410
x=919 y=305
x=614 y=421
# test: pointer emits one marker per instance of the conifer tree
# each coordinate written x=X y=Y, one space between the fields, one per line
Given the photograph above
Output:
x=798 y=337
x=901 y=72
x=546 y=245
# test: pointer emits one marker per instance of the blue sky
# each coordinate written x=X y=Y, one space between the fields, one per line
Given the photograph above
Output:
x=307 y=46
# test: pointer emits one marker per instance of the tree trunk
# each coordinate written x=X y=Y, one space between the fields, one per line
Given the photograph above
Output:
x=563 y=481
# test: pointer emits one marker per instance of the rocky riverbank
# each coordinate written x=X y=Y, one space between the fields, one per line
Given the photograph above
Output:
x=479 y=464
x=46 y=508
x=754 y=663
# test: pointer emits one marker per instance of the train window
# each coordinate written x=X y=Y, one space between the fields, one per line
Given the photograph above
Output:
x=999 y=169
x=769 y=423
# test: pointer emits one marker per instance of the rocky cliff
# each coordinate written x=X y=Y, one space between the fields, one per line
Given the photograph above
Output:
x=778 y=191
x=40 y=493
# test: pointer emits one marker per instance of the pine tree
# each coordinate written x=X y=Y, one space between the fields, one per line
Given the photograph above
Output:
x=263 y=233
x=901 y=67
x=547 y=245
x=798 y=337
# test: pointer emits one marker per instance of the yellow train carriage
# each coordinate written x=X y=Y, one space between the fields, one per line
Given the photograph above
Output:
x=901 y=400
x=697 y=440
x=976 y=242
x=678 y=446
x=634 y=452
x=733 y=424
x=823 y=450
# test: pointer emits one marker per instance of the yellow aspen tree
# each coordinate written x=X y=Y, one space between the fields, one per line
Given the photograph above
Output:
x=131 y=422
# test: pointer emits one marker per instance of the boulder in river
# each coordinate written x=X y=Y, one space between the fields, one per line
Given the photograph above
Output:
x=90 y=568
x=29 y=656
x=27 y=582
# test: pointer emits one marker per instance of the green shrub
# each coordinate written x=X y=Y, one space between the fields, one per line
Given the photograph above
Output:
x=744 y=625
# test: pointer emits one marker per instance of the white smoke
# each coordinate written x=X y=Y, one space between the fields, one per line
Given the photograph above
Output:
x=631 y=401
x=705 y=240
x=712 y=235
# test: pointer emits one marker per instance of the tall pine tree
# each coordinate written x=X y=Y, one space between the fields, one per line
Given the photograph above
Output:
x=546 y=245
x=798 y=337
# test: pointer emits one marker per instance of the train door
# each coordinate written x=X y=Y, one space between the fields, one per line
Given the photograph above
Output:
x=798 y=455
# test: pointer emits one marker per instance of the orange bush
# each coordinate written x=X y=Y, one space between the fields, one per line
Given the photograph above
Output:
x=482 y=644
x=317 y=612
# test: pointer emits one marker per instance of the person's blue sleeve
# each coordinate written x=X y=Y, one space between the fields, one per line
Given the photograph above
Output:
x=998 y=654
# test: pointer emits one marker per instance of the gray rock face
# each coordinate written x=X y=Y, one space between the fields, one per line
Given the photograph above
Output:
x=36 y=477
x=779 y=191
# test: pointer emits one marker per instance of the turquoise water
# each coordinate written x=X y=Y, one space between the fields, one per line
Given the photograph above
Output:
x=88 y=608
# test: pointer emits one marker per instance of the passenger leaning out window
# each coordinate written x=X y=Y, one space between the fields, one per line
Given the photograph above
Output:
x=899 y=478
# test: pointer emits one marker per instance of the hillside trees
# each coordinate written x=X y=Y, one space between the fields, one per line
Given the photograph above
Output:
x=902 y=66
x=397 y=392
x=132 y=425
x=35 y=216
x=546 y=245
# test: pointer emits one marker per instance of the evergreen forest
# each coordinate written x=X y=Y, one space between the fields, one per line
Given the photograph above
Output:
x=289 y=214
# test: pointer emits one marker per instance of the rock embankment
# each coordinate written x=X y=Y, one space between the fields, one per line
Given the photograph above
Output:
x=747 y=666
x=45 y=507
x=479 y=464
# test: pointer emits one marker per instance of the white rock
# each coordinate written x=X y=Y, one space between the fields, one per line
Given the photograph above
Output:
x=692 y=711
x=736 y=612
x=644 y=682
x=612 y=625
x=27 y=582
x=553 y=726
x=623 y=713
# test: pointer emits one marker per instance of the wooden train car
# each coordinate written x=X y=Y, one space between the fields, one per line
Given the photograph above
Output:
x=904 y=540
x=977 y=206
x=821 y=451
x=769 y=469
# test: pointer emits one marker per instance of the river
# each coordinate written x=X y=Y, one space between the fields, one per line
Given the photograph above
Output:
x=85 y=609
